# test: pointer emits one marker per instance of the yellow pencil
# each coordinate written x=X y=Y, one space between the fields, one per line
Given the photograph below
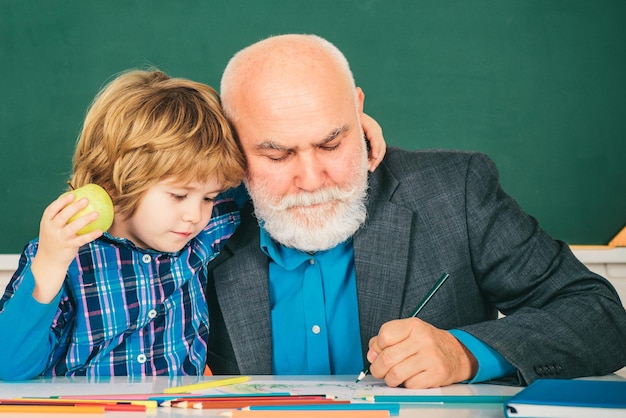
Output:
x=207 y=385
x=147 y=403
x=52 y=409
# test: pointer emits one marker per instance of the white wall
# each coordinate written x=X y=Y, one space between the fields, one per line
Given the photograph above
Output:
x=8 y=264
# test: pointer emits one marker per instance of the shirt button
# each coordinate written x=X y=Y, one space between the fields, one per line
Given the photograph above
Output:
x=316 y=329
x=152 y=314
x=311 y=261
x=146 y=258
x=141 y=358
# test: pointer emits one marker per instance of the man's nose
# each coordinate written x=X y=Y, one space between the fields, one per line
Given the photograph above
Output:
x=311 y=173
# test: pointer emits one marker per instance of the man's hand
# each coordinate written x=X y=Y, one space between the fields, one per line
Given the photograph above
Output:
x=418 y=355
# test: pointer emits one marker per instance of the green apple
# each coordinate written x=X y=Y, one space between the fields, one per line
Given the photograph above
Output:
x=99 y=201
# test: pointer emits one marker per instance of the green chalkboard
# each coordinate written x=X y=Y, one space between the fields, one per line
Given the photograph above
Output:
x=539 y=85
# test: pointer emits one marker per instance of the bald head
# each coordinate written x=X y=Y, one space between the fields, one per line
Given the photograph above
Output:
x=286 y=63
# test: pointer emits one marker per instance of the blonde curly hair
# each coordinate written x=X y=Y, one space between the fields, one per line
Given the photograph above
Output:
x=143 y=127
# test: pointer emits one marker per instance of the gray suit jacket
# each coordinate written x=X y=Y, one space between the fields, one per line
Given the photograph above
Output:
x=431 y=212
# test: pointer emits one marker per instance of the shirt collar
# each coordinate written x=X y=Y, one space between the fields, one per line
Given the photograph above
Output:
x=125 y=242
x=287 y=257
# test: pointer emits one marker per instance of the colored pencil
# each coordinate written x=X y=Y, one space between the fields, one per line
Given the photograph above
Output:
x=250 y=402
x=124 y=407
x=57 y=409
x=393 y=408
x=305 y=414
x=207 y=385
x=107 y=405
x=147 y=404
x=439 y=399
x=256 y=398
x=163 y=396
x=119 y=396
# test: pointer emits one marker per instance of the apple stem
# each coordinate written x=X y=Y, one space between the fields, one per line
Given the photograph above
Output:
x=71 y=185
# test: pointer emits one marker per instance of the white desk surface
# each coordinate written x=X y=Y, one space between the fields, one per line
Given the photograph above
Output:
x=115 y=385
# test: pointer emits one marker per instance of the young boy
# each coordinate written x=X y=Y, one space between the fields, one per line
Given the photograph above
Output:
x=132 y=301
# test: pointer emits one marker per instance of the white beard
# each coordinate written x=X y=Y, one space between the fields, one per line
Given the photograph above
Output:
x=293 y=221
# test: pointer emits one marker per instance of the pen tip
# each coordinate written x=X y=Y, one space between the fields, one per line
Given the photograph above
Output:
x=361 y=376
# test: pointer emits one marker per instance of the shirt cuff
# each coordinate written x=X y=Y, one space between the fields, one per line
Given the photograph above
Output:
x=491 y=365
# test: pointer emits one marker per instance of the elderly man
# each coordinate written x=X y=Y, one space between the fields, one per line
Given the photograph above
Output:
x=329 y=261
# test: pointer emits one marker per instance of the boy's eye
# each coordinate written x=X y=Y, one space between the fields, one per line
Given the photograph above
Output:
x=209 y=198
x=178 y=196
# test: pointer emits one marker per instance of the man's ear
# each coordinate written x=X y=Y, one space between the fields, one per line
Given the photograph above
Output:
x=360 y=99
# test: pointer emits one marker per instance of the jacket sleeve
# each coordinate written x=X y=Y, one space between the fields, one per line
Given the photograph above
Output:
x=560 y=319
x=25 y=325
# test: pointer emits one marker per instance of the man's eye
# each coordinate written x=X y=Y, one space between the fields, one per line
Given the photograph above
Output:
x=277 y=157
x=330 y=147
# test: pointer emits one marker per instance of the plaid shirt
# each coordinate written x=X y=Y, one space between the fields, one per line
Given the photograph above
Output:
x=128 y=311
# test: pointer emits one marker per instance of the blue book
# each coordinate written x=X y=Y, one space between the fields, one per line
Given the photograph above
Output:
x=569 y=398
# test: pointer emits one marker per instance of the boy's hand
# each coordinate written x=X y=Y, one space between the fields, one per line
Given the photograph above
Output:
x=377 y=146
x=59 y=244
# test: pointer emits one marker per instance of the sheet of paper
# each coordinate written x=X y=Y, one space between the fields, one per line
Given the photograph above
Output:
x=342 y=389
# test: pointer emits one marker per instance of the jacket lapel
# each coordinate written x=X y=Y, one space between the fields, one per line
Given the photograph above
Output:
x=381 y=251
x=243 y=292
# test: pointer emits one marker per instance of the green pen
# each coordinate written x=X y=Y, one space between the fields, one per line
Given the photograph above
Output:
x=423 y=303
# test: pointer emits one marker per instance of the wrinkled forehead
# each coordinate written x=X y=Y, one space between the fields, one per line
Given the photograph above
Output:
x=288 y=115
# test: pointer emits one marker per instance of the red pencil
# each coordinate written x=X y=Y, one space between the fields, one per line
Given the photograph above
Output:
x=122 y=407
x=228 y=404
x=173 y=402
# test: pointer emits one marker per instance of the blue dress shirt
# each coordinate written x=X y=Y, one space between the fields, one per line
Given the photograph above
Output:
x=314 y=312
x=315 y=318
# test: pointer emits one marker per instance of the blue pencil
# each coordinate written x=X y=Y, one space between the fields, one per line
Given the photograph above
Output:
x=393 y=408
x=439 y=399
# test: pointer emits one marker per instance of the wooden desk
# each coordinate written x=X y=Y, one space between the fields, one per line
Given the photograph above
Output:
x=115 y=385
